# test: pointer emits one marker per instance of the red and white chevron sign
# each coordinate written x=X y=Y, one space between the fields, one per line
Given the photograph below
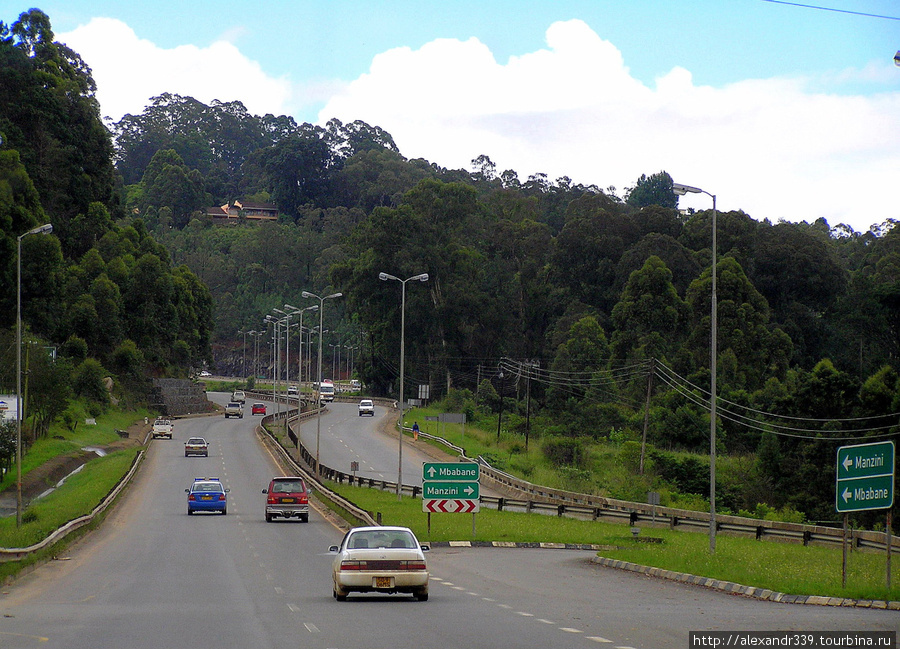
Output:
x=451 y=506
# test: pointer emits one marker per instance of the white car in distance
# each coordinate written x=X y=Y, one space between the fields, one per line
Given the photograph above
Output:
x=366 y=407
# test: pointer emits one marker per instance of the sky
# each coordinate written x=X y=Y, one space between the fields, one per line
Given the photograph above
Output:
x=783 y=111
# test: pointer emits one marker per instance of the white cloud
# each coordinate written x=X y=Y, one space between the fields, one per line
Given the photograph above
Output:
x=767 y=146
x=130 y=70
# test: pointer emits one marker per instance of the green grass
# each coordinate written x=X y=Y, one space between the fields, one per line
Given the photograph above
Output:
x=781 y=567
x=77 y=496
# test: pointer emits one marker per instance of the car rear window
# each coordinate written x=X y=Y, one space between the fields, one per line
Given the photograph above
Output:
x=289 y=486
x=207 y=486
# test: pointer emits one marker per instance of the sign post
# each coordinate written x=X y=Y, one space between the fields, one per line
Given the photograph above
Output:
x=865 y=481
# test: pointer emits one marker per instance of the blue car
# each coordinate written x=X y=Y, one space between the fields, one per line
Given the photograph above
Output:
x=207 y=495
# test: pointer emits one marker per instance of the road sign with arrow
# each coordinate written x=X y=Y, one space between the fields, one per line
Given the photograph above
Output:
x=450 y=487
x=865 y=477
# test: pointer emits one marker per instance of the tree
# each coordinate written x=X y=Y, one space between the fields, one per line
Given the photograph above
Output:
x=760 y=349
x=653 y=190
x=650 y=320
x=50 y=115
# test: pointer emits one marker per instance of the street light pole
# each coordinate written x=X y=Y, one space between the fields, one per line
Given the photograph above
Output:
x=47 y=228
x=307 y=294
x=314 y=307
x=681 y=190
x=423 y=277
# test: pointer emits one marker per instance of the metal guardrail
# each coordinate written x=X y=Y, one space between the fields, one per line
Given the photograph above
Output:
x=14 y=554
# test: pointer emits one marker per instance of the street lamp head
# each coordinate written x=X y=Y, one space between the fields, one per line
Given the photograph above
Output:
x=279 y=311
x=328 y=297
x=897 y=58
x=291 y=306
x=421 y=278
x=307 y=294
x=680 y=190
x=385 y=277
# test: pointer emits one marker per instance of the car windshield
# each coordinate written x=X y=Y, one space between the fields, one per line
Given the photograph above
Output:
x=289 y=486
x=381 y=539
x=195 y=440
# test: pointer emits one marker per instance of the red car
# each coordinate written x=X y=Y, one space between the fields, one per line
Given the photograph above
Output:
x=258 y=409
x=287 y=497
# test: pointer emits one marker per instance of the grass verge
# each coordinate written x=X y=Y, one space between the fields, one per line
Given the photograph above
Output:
x=781 y=567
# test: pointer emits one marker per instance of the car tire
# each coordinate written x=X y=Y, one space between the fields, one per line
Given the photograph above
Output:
x=190 y=512
x=304 y=518
x=225 y=512
x=339 y=595
x=422 y=596
x=268 y=518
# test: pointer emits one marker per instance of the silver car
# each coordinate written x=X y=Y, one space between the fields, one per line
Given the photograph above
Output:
x=379 y=560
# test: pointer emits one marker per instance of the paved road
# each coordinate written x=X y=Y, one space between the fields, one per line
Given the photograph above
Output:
x=154 y=577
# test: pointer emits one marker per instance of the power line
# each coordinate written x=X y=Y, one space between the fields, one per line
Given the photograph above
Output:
x=840 y=11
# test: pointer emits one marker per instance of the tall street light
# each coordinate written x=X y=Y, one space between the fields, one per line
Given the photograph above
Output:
x=314 y=307
x=416 y=278
x=681 y=190
x=47 y=228
x=307 y=295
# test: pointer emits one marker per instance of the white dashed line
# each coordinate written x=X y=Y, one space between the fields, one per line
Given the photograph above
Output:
x=597 y=638
x=524 y=614
x=293 y=608
x=312 y=628
x=506 y=606
x=569 y=629
x=543 y=621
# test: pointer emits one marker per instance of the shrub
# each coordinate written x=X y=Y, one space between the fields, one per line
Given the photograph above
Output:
x=564 y=451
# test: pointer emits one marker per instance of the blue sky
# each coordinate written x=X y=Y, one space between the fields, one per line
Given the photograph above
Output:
x=783 y=111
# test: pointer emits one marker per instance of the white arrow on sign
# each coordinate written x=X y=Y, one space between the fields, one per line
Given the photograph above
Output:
x=431 y=472
x=847 y=463
x=847 y=495
x=469 y=490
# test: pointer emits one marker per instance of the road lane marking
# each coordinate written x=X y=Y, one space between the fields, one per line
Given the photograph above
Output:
x=543 y=621
x=524 y=614
x=312 y=628
x=597 y=638
x=569 y=629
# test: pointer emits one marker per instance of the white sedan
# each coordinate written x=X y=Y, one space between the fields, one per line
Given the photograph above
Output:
x=380 y=560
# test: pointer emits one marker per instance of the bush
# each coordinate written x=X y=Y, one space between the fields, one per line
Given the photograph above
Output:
x=89 y=383
x=564 y=451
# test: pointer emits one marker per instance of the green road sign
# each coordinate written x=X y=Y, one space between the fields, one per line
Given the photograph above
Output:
x=865 y=477
x=450 y=471
x=865 y=493
x=453 y=490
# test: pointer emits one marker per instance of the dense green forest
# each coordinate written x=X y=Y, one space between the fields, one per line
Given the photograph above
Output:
x=584 y=301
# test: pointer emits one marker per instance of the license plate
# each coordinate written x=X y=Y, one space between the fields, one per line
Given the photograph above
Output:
x=383 y=582
x=287 y=500
x=205 y=497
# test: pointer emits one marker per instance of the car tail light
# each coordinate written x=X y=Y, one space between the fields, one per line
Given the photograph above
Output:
x=304 y=499
x=353 y=565
x=271 y=500
x=221 y=497
x=192 y=497
x=412 y=565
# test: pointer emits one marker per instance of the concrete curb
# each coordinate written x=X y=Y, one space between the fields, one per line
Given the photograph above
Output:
x=683 y=577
